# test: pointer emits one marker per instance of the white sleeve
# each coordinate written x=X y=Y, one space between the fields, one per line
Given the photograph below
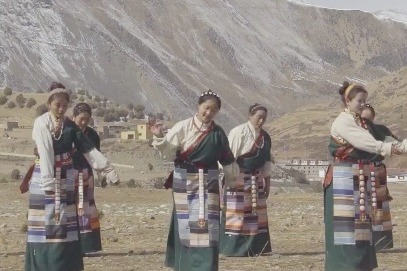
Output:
x=43 y=141
x=400 y=146
x=235 y=141
x=358 y=137
x=170 y=143
x=231 y=172
x=100 y=163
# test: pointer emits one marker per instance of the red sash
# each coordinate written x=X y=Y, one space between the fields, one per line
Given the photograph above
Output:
x=183 y=156
x=254 y=148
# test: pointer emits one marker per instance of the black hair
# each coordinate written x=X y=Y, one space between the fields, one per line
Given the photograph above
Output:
x=256 y=107
x=355 y=89
x=210 y=95
x=82 y=108
x=55 y=85
x=370 y=107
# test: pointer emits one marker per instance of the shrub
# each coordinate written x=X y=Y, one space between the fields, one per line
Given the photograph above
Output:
x=20 y=99
x=74 y=96
x=100 y=112
x=41 y=109
x=81 y=91
x=150 y=166
x=31 y=102
x=139 y=115
x=39 y=91
x=8 y=91
x=3 y=100
x=15 y=174
x=130 y=106
x=139 y=108
x=92 y=105
x=82 y=99
x=96 y=99
x=11 y=104
x=159 y=116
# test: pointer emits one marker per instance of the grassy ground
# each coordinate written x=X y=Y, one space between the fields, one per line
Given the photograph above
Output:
x=135 y=225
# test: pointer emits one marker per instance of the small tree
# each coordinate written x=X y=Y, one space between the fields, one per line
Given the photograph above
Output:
x=130 y=106
x=11 y=104
x=139 y=115
x=100 y=112
x=20 y=99
x=89 y=96
x=15 y=174
x=81 y=92
x=41 y=109
x=8 y=91
x=3 y=100
x=31 y=102
x=93 y=105
x=139 y=108
x=159 y=116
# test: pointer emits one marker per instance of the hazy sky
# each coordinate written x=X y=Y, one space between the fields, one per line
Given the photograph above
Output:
x=365 y=5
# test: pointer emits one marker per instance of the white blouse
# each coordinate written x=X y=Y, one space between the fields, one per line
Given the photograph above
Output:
x=346 y=129
x=181 y=136
x=241 y=140
x=41 y=134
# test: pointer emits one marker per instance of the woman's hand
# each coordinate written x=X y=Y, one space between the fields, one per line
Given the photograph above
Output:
x=395 y=150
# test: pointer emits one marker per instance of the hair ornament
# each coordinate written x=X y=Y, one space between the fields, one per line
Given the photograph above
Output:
x=210 y=92
x=348 y=89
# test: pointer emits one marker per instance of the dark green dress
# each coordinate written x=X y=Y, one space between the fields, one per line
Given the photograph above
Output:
x=245 y=232
x=345 y=257
x=382 y=234
x=193 y=242
x=89 y=225
x=51 y=244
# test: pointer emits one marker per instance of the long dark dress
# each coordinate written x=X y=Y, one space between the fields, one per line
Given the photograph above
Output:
x=244 y=229
x=193 y=239
x=383 y=228
x=53 y=245
x=343 y=252
x=89 y=225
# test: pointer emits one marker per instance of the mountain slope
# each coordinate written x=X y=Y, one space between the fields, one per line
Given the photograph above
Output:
x=164 y=53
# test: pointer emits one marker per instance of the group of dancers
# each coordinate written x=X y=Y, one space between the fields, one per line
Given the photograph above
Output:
x=211 y=215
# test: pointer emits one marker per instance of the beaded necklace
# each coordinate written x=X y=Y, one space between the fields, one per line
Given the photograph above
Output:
x=57 y=126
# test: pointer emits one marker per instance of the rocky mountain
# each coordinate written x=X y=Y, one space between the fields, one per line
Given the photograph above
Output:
x=164 y=53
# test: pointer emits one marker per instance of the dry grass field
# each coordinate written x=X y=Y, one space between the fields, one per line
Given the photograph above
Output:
x=135 y=225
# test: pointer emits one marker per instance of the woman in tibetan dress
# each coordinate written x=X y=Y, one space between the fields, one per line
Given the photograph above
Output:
x=52 y=235
x=350 y=186
x=89 y=226
x=196 y=145
x=244 y=227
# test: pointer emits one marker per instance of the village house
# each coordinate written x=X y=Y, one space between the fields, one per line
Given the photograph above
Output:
x=313 y=169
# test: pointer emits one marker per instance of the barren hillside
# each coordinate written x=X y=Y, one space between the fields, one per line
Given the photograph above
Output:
x=163 y=53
